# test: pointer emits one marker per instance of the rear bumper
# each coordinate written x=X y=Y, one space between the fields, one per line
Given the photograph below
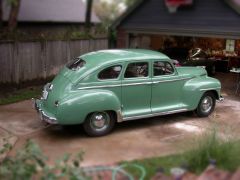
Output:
x=43 y=115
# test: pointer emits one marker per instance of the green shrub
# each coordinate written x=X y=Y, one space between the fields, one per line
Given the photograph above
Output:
x=29 y=163
x=211 y=149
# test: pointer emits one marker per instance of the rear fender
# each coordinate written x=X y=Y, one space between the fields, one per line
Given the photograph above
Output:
x=75 y=107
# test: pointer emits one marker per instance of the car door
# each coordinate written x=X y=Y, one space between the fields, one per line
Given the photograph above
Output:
x=136 y=89
x=166 y=87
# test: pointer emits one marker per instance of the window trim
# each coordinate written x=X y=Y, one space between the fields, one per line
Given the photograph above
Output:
x=165 y=61
x=105 y=67
x=143 y=61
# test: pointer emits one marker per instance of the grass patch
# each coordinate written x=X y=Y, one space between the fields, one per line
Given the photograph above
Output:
x=225 y=153
x=209 y=149
x=20 y=95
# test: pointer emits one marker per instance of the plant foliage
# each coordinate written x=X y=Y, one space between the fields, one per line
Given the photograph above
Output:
x=30 y=163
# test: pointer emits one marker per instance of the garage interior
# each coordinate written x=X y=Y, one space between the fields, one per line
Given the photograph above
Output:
x=226 y=52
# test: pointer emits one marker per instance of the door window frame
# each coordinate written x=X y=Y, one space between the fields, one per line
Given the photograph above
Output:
x=106 y=67
x=165 y=75
x=137 y=78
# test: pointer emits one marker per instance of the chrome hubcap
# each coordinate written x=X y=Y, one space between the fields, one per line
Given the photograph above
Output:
x=100 y=121
x=206 y=104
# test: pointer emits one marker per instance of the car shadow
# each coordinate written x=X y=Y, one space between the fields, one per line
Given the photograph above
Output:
x=76 y=131
x=154 y=121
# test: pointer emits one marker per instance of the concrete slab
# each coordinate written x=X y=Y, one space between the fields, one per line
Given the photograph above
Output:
x=20 y=118
x=125 y=143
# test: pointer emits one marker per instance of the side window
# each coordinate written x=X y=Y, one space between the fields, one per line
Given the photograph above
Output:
x=162 y=68
x=110 y=73
x=139 y=69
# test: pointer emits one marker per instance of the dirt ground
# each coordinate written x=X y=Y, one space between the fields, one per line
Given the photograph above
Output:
x=137 y=139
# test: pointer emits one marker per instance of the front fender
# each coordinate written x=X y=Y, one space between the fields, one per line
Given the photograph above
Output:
x=195 y=88
x=75 y=107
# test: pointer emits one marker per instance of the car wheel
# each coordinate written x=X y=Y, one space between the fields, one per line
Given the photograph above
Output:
x=206 y=104
x=99 y=123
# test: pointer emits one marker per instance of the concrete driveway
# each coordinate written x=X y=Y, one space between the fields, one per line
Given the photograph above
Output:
x=130 y=140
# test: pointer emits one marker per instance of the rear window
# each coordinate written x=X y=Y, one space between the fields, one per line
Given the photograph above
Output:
x=76 y=64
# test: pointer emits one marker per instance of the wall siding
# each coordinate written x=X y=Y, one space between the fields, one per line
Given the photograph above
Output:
x=24 y=61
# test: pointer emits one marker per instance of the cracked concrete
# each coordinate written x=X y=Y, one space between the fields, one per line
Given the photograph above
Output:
x=143 y=138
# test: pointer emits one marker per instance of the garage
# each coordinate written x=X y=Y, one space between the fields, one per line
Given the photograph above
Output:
x=176 y=27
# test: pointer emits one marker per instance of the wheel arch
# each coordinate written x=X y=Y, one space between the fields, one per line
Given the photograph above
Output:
x=195 y=88
x=113 y=112
x=216 y=94
x=75 y=108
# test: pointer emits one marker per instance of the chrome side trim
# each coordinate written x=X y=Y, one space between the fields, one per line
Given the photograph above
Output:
x=135 y=84
x=154 y=114
x=116 y=85
x=171 y=80
x=132 y=84
x=208 y=89
x=94 y=87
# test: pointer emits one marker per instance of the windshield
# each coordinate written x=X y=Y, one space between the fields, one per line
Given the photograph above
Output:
x=76 y=64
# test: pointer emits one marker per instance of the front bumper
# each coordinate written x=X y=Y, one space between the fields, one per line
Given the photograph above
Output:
x=42 y=114
x=221 y=99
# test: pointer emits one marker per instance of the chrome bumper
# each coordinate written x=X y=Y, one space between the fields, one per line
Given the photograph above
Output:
x=43 y=116
x=221 y=99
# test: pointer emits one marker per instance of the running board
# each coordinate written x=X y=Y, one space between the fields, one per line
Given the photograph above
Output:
x=154 y=114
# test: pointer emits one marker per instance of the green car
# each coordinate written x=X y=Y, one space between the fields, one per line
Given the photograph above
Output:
x=101 y=88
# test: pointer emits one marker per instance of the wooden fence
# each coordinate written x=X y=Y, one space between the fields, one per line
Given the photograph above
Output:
x=24 y=61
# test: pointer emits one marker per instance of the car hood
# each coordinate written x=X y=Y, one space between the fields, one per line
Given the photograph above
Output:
x=195 y=71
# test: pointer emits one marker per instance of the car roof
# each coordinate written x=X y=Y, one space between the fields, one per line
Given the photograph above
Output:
x=120 y=55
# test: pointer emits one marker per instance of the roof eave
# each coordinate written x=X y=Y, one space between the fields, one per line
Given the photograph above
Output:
x=185 y=32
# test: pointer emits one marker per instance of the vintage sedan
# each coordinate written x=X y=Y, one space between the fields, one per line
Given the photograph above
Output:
x=101 y=88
